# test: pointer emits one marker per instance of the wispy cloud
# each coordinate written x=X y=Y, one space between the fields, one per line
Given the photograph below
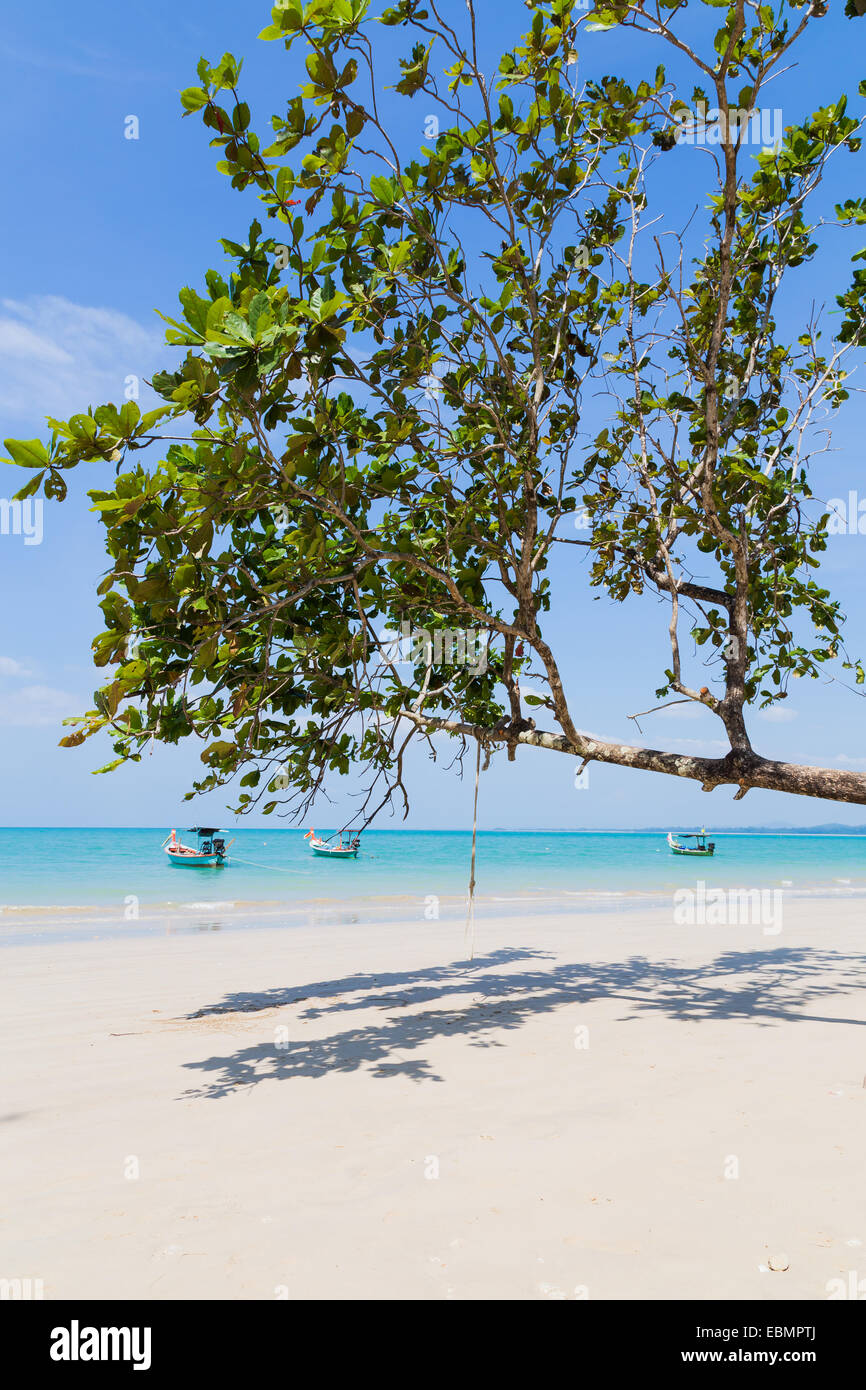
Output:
x=10 y=667
x=93 y=63
x=34 y=705
x=686 y=709
x=700 y=747
x=776 y=714
x=31 y=706
x=57 y=357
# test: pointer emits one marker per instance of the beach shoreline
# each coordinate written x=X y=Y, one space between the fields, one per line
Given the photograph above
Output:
x=26 y=923
x=602 y=1105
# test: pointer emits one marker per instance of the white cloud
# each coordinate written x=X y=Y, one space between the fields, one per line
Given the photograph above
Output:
x=10 y=667
x=19 y=341
x=777 y=714
x=699 y=747
x=690 y=709
x=57 y=357
x=36 y=705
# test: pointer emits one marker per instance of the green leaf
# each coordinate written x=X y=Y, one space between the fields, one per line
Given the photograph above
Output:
x=259 y=306
x=193 y=98
x=129 y=417
x=237 y=328
x=382 y=189
x=27 y=453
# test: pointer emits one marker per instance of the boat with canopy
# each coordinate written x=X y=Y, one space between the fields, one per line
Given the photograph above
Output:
x=690 y=843
x=210 y=851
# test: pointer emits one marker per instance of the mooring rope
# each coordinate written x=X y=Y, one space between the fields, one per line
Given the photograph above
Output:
x=277 y=868
x=469 y=930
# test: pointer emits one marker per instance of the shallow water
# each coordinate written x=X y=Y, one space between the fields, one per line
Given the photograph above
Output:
x=80 y=879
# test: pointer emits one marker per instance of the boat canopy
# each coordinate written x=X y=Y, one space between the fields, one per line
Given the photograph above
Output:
x=205 y=830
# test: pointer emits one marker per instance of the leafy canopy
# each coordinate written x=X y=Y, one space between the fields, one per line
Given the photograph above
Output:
x=377 y=416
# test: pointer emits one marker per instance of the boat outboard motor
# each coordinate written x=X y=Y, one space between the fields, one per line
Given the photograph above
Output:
x=219 y=846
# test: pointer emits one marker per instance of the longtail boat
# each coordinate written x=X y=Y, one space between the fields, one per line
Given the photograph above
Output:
x=210 y=852
x=690 y=843
x=346 y=849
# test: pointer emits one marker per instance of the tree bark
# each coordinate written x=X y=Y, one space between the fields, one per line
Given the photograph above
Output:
x=743 y=770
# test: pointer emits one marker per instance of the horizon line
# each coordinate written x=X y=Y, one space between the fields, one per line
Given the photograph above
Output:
x=824 y=827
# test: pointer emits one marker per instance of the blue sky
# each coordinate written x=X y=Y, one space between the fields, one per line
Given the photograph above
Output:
x=100 y=230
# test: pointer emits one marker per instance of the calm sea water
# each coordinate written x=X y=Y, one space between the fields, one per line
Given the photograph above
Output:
x=82 y=877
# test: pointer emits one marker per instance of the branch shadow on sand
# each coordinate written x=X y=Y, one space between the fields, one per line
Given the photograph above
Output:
x=501 y=991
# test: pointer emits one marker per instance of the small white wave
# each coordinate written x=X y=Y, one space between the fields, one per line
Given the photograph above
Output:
x=209 y=907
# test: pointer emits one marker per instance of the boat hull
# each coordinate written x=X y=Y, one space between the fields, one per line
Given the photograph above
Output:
x=335 y=853
x=701 y=853
x=195 y=861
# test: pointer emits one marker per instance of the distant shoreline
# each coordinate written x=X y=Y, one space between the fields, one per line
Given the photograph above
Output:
x=833 y=829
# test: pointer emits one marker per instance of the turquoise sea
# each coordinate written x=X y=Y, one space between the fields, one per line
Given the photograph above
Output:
x=83 y=881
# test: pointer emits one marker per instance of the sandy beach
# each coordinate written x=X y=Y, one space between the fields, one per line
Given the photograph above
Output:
x=606 y=1106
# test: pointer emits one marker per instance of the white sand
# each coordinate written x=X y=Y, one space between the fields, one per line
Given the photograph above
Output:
x=301 y=1171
